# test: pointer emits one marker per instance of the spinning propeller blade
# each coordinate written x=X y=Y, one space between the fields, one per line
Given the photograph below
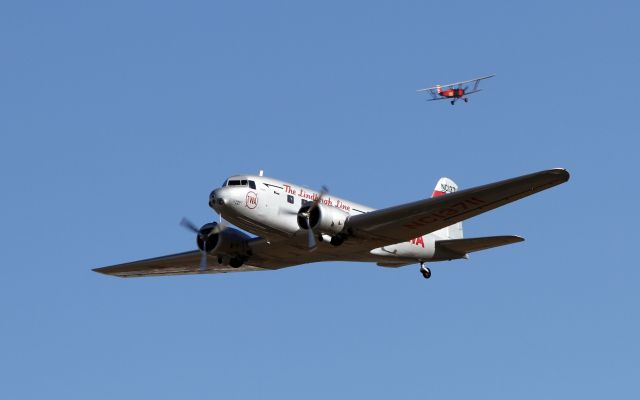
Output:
x=189 y=225
x=310 y=233
x=204 y=236
x=203 y=259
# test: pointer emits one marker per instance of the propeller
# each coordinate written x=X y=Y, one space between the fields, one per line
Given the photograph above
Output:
x=307 y=215
x=203 y=234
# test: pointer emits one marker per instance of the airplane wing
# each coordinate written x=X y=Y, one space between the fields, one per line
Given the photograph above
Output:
x=448 y=98
x=186 y=263
x=266 y=255
x=473 y=91
x=404 y=222
x=475 y=87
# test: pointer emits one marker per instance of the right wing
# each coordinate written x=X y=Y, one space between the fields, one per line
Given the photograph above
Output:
x=404 y=222
x=265 y=256
x=187 y=263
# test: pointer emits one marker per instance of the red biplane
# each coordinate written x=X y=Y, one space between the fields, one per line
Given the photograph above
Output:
x=455 y=91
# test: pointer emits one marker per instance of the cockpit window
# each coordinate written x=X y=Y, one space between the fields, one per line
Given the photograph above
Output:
x=224 y=183
x=241 y=182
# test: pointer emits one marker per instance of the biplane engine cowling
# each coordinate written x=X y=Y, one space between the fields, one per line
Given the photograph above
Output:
x=226 y=241
x=323 y=219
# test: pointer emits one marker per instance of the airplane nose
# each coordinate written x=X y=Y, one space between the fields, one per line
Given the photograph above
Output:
x=212 y=198
x=215 y=199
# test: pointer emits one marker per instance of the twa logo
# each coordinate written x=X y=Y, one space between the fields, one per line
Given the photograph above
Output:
x=251 y=200
x=419 y=241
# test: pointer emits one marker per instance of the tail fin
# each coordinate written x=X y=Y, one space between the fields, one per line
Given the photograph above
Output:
x=444 y=186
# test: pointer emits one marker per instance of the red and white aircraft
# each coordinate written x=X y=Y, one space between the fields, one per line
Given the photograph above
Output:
x=455 y=91
x=295 y=225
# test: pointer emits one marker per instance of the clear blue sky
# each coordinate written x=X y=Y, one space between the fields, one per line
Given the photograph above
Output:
x=118 y=118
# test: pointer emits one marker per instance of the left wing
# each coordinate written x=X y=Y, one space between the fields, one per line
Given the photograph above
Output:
x=404 y=222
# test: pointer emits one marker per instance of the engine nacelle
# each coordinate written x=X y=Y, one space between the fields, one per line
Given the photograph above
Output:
x=229 y=241
x=323 y=219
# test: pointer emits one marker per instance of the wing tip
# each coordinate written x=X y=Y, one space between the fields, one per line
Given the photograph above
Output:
x=561 y=172
x=106 y=271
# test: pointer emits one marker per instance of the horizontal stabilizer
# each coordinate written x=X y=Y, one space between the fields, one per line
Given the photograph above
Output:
x=459 y=248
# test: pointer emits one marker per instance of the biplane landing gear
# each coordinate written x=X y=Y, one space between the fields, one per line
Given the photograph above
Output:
x=426 y=272
x=466 y=100
x=453 y=102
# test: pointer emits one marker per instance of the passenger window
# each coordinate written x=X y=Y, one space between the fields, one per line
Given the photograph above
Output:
x=290 y=198
x=252 y=184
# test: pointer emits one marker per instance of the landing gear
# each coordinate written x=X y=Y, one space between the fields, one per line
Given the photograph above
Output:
x=426 y=272
x=453 y=102
x=466 y=100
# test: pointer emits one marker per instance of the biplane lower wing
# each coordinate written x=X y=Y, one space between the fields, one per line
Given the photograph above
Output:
x=449 y=98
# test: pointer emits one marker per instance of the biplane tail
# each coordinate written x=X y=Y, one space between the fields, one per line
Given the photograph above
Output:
x=444 y=186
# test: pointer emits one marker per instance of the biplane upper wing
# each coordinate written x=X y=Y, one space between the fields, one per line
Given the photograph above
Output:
x=432 y=90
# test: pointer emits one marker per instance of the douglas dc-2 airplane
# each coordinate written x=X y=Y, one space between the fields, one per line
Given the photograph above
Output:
x=297 y=226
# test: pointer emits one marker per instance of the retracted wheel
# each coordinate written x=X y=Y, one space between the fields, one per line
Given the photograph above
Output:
x=236 y=262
